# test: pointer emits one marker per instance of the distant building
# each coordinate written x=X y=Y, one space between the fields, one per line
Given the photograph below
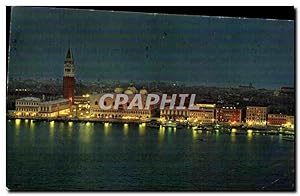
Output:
x=204 y=115
x=229 y=115
x=82 y=101
x=122 y=112
x=69 y=77
x=27 y=106
x=290 y=122
x=284 y=91
x=277 y=119
x=287 y=90
x=173 y=114
x=34 y=107
x=245 y=87
x=256 y=115
x=55 y=108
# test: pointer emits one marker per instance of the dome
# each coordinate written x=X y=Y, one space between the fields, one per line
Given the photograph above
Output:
x=143 y=91
x=118 y=90
x=129 y=92
x=133 y=89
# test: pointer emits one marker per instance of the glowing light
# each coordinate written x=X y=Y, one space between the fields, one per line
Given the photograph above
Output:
x=249 y=131
x=70 y=124
x=233 y=130
x=52 y=124
x=18 y=122
x=125 y=125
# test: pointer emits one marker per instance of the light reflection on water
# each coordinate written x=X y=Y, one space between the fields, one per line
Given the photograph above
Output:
x=161 y=133
x=233 y=137
x=249 y=135
x=86 y=131
x=142 y=130
x=17 y=124
x=125 y=130
x=101 y=160
x=194 y=134
x=107 y=129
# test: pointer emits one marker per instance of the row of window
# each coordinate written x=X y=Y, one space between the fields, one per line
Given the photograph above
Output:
x=176 y=112
x=114 y=116
x=45 y=109
x=27 y=109
x=27 y=103
x=122 y=112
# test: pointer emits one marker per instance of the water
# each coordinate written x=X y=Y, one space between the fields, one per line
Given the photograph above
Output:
x=96 y=156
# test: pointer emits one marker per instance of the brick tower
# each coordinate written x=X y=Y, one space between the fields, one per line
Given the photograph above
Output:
x=69 y=77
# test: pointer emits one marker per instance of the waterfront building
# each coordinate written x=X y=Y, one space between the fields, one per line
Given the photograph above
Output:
x=69 y=77
x=256 y=115
x=122 y=112
x=229 y=115
x=173 y=114
x=205 y=114
x=277 y=119
x=81 y=107
x=290 y=122
x=27 y=106
x=55 y=108
x=202 y=116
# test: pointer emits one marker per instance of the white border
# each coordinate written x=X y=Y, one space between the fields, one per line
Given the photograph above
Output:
x=115 y=3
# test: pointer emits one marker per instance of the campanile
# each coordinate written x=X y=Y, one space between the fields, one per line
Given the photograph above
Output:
x=69 y=77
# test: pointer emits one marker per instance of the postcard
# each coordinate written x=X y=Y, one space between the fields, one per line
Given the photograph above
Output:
x=101 y=100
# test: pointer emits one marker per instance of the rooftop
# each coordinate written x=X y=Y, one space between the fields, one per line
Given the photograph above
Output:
x=29 y=99
x=55 y=101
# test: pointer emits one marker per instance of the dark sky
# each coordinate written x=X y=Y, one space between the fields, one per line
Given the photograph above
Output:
x=135 y=46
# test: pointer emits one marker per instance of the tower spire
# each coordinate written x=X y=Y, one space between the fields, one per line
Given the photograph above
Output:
x=69 y=56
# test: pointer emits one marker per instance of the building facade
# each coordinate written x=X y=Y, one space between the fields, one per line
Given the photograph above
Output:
x=173 y=114
x=202 y=116
x=69 y=77
x=27 y=106
x=229 y=115
x=56 y=108
x=256 y=115
x=290 y=122
x=277 y=119
x=122 y=112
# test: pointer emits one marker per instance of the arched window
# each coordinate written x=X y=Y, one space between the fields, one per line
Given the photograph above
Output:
x=96 y=102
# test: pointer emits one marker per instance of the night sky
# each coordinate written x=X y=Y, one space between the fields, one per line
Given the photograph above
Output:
x=135 y=46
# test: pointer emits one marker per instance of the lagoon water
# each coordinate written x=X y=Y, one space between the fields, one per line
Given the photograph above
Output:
x=98 y=156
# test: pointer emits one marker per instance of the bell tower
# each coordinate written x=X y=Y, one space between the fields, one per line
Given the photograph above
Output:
x=69 y=77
